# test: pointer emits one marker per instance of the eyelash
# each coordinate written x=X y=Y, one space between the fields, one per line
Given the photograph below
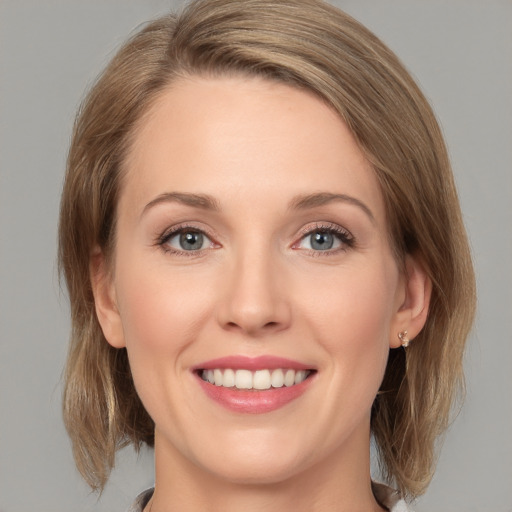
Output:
x=163 y=239
x=345 y=237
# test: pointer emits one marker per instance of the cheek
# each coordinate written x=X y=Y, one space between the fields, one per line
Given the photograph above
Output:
x=157 y=308
x=160 y=320
x=352 y=318
x=358 y=302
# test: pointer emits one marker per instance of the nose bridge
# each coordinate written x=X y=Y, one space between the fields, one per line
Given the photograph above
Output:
x=254 y=300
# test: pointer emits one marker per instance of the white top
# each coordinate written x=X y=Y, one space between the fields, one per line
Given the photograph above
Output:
x=389 y=498
x=386 y=496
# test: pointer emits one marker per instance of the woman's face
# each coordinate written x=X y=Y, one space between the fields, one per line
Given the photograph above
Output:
x=252 y=251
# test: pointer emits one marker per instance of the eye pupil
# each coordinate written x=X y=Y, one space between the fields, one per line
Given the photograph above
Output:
x=191 y=241
x=322 y=241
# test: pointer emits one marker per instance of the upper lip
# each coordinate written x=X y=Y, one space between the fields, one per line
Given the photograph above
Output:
x=265 y=362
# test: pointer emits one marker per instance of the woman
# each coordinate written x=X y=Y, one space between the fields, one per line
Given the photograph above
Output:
x=266 y=264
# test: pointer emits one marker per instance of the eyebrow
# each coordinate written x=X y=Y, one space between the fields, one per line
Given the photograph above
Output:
x=303 y=202
x=203 y=201
x=322 y=198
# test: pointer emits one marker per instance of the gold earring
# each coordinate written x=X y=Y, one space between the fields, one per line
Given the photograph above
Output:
x=402 y=336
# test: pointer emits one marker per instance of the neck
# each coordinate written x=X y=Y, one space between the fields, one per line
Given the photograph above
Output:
x=340 y=483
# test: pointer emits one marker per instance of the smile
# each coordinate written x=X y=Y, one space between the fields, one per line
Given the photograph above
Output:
x=257 y=380
x=254 y=385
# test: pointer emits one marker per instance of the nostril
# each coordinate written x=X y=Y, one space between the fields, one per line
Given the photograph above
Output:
x=253 y=317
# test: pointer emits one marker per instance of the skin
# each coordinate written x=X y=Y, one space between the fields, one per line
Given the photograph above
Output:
x=256 y=287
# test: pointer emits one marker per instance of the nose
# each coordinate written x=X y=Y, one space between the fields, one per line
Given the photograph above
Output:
x=254 y=300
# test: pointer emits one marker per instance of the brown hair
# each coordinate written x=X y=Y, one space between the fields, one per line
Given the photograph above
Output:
x=307 y=44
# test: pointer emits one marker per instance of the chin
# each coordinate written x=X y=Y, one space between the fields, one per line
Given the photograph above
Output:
x=264 y=471
x=256 y=458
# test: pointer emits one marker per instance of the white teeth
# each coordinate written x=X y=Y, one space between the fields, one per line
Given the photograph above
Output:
x=277 y=379
x=243 y=379
x=229 y=379
x=217 y=375
x=300 y=376
x=260 y=379
x=289 y=378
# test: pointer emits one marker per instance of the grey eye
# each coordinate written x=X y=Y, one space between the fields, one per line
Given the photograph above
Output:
x=189 y=241
x=321 y=241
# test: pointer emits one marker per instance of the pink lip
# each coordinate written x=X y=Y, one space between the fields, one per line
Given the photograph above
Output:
x=252 y=363
x=252 y=401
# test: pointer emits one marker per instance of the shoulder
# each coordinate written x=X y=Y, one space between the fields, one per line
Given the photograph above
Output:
x=141 y=501
x=389 y=498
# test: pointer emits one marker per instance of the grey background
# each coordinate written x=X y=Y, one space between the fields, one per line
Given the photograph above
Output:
x=461 y=53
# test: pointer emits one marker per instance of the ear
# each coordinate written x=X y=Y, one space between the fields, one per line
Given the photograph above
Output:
x=105 y=299
x=414 y=302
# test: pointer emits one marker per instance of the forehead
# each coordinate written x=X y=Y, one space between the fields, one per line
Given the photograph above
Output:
x=223 y=136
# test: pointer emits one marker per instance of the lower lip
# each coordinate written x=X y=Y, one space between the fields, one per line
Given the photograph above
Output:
x=254 y=401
